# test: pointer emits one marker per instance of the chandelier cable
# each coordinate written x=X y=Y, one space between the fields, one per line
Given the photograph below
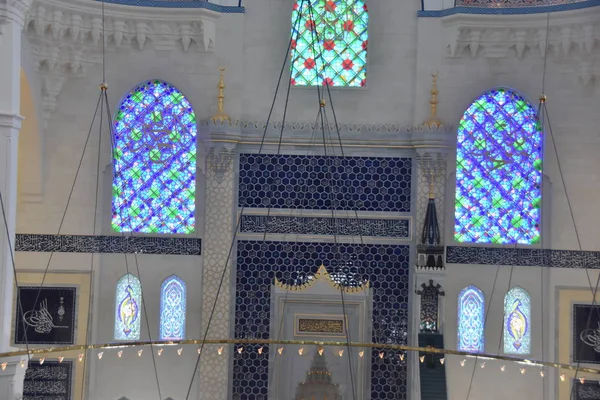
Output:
x=239 y=221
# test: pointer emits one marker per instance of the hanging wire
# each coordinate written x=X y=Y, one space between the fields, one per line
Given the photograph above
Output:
x=97 y=192
x=239 y=221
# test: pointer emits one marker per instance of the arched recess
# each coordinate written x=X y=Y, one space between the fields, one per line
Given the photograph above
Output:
x=128 y=303
x=471 y=319
x=430 y=306
x=154 y=177
x=30 y=157
x=499 y=161
x=517 y=322
x=339 y=58
x=173 y=303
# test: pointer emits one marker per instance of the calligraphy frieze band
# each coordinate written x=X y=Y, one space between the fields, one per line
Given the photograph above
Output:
x=108 y=244
x=307 y=325
x=51 y=380
x=377 y=227
x=48 y=315
x=523 y=257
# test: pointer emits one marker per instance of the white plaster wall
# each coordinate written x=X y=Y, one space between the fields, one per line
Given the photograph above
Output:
x=403 y=51
x=574 y=122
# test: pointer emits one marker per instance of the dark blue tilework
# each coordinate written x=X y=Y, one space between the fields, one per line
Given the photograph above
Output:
x=523 y=257
x=385 y=266
x=108 y=244
x=375 y=227
x=325 y=183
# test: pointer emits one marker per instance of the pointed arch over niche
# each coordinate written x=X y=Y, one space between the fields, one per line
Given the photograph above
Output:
x=471 y=319
x=154 y=183
x=340 y=56
x=517 y=321
x=173 y=294
x=499 y=171
x=128 y=302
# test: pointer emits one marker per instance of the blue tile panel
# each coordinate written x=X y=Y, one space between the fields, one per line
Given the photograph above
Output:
x=325 y=182
x=179 y=4
x=508 y=11
x=523 y=257
x=397 y=228
x=108 y=244
x=258 y=263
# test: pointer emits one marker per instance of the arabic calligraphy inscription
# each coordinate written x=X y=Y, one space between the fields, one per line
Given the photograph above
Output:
x=51 y=380
x=48 y=315
x=320 y=325
x=586 y=333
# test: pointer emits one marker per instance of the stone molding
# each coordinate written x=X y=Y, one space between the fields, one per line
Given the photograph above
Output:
x=388 y=136
x=66 y=36
x=572 y=34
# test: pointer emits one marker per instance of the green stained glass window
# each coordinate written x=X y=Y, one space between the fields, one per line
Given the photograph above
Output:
x=499 y=171
x=329 y=43
x=154 y=187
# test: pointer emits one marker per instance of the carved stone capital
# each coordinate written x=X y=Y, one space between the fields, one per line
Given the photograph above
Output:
x=432 y=162
x=14 y=10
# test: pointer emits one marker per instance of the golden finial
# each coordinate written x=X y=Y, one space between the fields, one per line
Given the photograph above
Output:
x=221 y=115
x=433 y=121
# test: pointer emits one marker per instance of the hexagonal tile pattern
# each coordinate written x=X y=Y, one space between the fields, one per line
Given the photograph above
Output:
x=258 y=263
x=325 y=182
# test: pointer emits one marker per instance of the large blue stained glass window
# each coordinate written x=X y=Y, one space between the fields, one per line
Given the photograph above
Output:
x=329 y=43
x=517 y=321
x=127 y=308
x=471 y=320
x=172 y=308
x=499 y=171
x=154 y=187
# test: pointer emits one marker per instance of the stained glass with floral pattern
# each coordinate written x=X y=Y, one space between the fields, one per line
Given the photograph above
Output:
x=499 y=171
x=154 y=187
x=172 y=308
x=329 y=43
x=517 y=321
x=128 y=306
x=471 y=320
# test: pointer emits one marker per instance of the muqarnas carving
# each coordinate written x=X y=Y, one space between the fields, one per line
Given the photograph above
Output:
x=45 y=315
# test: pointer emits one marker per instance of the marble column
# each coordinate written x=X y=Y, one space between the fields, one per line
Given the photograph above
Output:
x=12 y=15
x=218 y=234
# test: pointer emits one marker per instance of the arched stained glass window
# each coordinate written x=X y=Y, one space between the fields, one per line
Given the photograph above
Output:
x=339 y=58
x=499 y=171
x=127 y=308
x=172 y=308
x=517 y=321
x=154 y=187
x=471 y=320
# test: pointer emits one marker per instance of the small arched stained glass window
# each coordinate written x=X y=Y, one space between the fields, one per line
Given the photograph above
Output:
x=154 y=187
x=127 y=308
x=517 y=321
x=172 y=308
x=471 y=320
x=499 y=171
x=329 y=43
